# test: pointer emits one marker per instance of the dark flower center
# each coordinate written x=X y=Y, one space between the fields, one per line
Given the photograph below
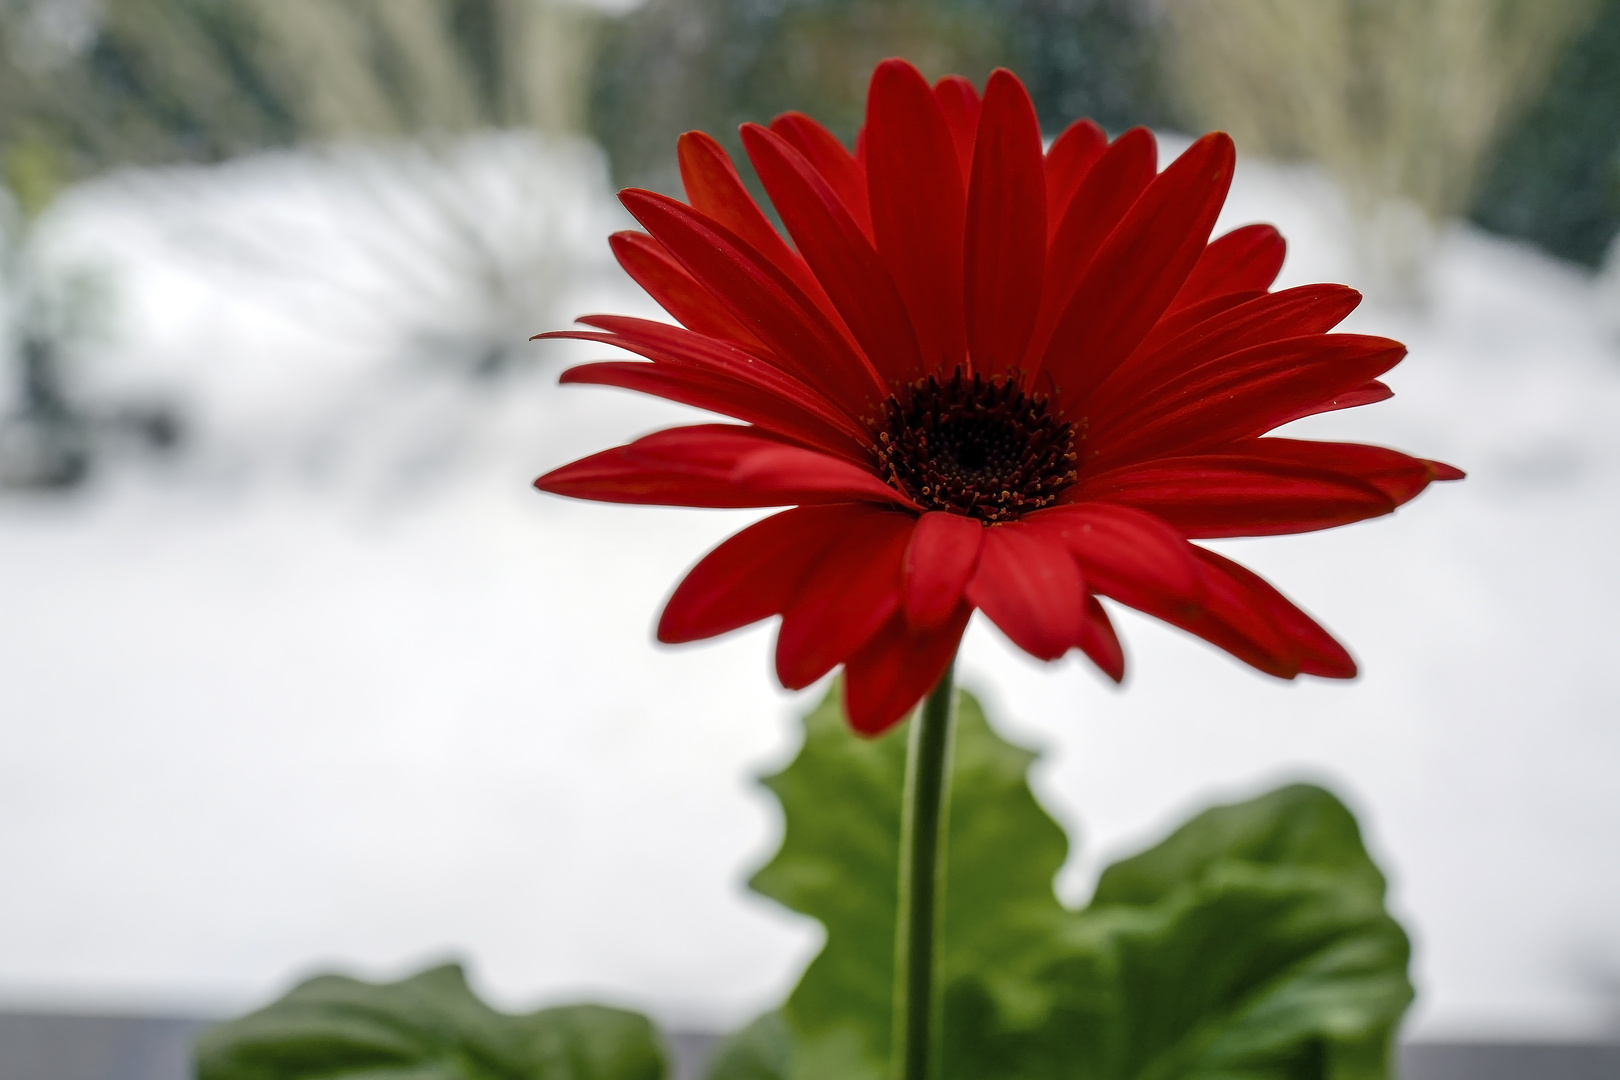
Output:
x=974 y=446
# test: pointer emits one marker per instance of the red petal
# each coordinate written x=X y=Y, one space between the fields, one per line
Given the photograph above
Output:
x=1072 y=155
x=1369 y=393
x=1030 y=587
x=1442 y=471
x=1005 y=251
x=1308 y=309
x=716 y=465
x=894 y=670
x=1243 y=259
x=718 y=393
x=1139 y=269
x=959 y=101
x=849 y=594
x=617 y=476
x=1397 y=475
x=677 y=347
x=799 y=474
x=1176 y=323
x=763 y=299
x=839 y=252
x=1242 y=395
x=1311 y=649
x=714 y=190
x=1100 y=642
x=676 y=291
x=1124 y=553
x=1242 y=614
x=1104 y=197
x=1215 y=495
x=828 y=157
x=754 y=574
x=1230 y=620
x=943 y=555
x=918 y=207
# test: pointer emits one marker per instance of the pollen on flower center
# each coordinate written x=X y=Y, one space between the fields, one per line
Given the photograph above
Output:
x=975 y=446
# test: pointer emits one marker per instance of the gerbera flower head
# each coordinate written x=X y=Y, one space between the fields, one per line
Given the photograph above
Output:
x=983 y=376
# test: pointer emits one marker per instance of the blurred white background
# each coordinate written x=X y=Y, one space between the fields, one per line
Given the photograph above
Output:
x=337 y=689
x=297 y=672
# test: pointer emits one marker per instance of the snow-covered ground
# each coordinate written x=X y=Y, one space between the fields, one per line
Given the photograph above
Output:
x=337 y=689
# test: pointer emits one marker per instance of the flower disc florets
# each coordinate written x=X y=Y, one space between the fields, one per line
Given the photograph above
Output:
x=975 y=446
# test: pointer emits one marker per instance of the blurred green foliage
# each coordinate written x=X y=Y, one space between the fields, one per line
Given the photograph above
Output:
x=152 y=81
x=85 y=86
x=1555 y=177
x=157 y=81
x=1253 y=942
x=840 y=862
x=1089 y=58
x=428 y=1027
x=33 y=171
x=675 y=65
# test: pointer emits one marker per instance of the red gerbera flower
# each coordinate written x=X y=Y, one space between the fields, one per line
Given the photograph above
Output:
x=985 y=377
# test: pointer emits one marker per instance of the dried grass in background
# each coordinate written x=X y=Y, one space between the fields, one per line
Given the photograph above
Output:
x=156 y=81
x=396 y=67
x=1399 y=99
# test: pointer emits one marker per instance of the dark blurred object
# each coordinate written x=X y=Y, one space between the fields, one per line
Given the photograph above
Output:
x=1555 y=177
x=44 y=1046
x=1509 y=1061
x=46 y=442
x=51 y=440
x=43 y=438
x=63 y=1046
x=675 y=65
x=49 y=436
x=1095 y=58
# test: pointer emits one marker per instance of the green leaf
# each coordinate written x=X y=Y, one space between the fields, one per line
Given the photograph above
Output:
x=760 y=1051
x=838 y=863
x=1244 y=971
x=1252 y=944
x=428 y=1027
x=1299 y=826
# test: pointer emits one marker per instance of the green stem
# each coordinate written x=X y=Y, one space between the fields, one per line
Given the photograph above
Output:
x=918 y=930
